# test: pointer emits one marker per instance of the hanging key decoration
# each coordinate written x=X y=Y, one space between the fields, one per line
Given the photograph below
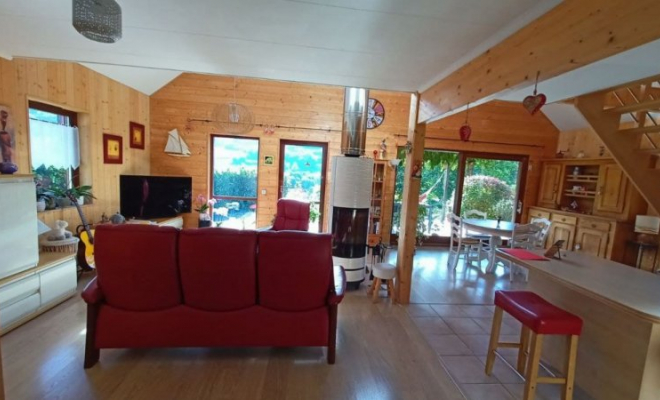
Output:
x=534 y=103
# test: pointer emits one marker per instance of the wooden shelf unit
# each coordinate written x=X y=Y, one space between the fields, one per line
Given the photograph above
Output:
x=380 y=212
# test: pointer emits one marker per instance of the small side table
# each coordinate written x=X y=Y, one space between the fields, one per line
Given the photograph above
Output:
x=642 y=247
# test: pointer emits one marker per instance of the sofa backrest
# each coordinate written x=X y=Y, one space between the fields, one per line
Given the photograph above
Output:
x=218 y=268
x=294 y=270
x=137 y=266
x=292 y=215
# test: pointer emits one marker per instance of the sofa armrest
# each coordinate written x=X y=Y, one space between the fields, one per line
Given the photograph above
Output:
x=92 y=293
x=337 y=293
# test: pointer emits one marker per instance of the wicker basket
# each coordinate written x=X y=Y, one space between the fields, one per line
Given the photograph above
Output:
x=60 y=246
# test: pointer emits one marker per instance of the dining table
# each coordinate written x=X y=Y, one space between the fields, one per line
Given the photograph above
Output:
x=496 y=230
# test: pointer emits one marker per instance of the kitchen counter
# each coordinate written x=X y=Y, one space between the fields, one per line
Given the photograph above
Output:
x=619 y=349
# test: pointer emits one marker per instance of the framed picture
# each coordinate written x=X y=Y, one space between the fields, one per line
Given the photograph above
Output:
x=137 y=135
x=112 y=149
x=268 y=160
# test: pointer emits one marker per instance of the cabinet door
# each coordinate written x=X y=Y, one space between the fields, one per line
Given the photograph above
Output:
x=612 y=185
x=550 y=179
x=561 y=231
x=592 y=241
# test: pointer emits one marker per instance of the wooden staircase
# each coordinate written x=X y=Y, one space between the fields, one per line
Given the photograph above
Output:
x=626 y=118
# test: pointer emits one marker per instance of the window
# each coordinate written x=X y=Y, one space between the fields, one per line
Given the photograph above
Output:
x=235 y=163
x=54 y=146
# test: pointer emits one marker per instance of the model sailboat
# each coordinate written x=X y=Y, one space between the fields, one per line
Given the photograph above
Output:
x=176 y=146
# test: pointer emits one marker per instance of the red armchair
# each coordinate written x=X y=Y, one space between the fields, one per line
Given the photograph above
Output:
x=292 y=215
x=160 y=287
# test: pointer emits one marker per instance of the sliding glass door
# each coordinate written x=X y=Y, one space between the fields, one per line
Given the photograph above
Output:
x=455 y=182
x=302 y=172
x=235 y=162
x=436 y=195
x=491 y=183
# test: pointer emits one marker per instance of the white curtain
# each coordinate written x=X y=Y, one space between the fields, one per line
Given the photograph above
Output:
x=54 y=144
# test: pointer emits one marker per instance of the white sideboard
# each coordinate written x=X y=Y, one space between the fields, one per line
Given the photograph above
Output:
x=26 y=295
x=19 y=245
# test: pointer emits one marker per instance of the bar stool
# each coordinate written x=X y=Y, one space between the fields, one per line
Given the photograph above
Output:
x=538 y=318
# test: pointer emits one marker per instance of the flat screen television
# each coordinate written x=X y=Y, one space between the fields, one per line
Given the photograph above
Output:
x=149 y=197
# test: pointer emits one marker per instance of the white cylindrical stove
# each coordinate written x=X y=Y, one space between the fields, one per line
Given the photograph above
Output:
x=350 y=200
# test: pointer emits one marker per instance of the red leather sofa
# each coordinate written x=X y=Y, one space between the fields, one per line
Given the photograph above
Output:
x=214 y=287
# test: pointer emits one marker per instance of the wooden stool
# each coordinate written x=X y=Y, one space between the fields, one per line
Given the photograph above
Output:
x=538 y=318
x=382 y=271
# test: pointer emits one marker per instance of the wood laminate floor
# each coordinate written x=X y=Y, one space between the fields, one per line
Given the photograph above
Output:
x=432 y=349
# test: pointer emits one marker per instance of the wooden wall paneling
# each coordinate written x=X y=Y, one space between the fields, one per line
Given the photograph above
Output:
x=286 y=104
x=573 y=34
x=103 y=105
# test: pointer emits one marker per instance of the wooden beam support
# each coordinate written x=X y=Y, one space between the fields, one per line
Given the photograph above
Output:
x=409 y=206
x=644 y=129
x=573 y=34
x=647 y=105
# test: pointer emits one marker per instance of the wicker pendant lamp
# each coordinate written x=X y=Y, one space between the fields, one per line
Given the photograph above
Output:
x=98 y=20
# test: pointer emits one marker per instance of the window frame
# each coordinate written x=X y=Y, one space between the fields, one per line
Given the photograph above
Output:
x=212 y=172
x=72 y=122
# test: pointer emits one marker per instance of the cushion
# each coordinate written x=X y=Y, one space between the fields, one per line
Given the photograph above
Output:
x=538 y=314
x=136 y=266
x=291 y=215
x=294 y=270
x=218 y=268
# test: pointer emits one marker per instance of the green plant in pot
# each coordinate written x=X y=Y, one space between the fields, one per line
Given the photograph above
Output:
x=80 y=193
x=45 y=199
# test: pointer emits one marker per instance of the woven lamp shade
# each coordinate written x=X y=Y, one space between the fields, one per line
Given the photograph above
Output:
x=98 y=20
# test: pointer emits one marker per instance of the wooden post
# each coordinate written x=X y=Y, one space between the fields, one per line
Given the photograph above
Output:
x=408 y=225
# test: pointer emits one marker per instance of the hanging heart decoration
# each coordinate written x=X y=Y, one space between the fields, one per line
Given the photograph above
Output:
x=534 y=102
x=465 y=131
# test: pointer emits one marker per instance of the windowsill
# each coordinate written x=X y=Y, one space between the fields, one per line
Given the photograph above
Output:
x=45 y=212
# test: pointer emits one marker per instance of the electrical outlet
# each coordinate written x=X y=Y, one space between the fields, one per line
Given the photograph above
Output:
x=263 y=191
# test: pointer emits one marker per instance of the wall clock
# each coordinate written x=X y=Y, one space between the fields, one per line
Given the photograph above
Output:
x=376 y=114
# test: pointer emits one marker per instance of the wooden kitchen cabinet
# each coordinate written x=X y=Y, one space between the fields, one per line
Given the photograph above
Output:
x=550 y=182
x=562 y=231
x=612 y=188
x=592 y=241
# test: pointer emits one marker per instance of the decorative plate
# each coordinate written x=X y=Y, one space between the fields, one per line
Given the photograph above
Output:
x=376 y=114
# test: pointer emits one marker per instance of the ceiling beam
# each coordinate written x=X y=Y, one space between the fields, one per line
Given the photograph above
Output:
x=573 y=34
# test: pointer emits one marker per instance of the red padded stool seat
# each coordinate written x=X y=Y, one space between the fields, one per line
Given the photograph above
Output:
x=538 y=318
x=537 y=314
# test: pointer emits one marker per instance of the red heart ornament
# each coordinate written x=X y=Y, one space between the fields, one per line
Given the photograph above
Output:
x=465 y=132
x=534 y=103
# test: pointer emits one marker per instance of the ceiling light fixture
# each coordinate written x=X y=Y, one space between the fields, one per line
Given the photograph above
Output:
x=98 y=20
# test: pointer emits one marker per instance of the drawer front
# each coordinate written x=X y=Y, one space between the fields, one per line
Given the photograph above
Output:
x=564 y=219
x=594 y=224
x=536 y=213
x=18 y=310
x=58 y=281
x=18 y=290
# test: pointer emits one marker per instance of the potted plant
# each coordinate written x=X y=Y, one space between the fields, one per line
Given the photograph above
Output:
x=202 y=207
x=80 y=193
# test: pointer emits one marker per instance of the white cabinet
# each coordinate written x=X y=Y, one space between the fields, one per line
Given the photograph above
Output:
x=57 y=282
x=28 y=294
x=19 y=246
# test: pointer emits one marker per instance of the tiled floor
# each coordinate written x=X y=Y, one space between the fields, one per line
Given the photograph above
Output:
x=453 y=310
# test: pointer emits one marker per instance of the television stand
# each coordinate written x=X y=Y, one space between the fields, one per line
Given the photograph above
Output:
x=176 y=222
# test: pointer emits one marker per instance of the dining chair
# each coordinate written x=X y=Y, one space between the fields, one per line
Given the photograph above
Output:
x=523 y=237
x=542 y=236
x=461 y=244
x=484 y=239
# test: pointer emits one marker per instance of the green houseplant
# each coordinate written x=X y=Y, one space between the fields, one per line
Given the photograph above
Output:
x=80 y=193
